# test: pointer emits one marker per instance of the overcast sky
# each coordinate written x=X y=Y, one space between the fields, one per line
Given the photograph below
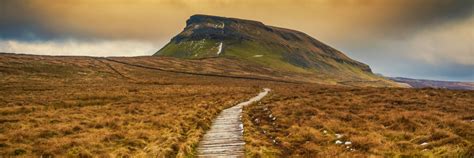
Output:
x=431 y=39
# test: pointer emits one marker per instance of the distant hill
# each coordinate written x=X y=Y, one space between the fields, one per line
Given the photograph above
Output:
x=420 y=83
x=278 y=48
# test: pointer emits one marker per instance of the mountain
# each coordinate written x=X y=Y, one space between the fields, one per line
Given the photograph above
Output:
x=278 y=48
x=420 y=83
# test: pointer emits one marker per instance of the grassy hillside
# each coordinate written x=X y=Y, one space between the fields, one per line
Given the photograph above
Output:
x=191 y=49
x=277 y=48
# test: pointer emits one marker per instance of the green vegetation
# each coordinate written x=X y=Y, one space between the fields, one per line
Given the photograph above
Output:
x=283 y=50
x=191 y=49
x=262 y=54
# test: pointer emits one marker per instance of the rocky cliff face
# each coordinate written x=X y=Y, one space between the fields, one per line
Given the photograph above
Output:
x=279 y=48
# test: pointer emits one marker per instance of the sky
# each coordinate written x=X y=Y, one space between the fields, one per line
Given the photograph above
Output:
x=429 y=39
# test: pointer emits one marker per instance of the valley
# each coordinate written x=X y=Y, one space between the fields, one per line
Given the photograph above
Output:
x=421 y=83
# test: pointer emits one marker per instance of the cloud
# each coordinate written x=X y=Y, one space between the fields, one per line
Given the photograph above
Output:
x=88 y=19
x=80 y=48
x=451 y=42
x=441 y=52
x=157 y=19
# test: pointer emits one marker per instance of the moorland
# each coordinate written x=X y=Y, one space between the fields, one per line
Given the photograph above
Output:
x=159 y=106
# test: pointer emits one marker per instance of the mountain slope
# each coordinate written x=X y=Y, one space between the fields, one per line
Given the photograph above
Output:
x=278 y=48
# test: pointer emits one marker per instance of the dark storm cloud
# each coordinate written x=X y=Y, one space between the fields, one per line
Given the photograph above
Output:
x=401 y=19
x=19 y=21
x=427 y=12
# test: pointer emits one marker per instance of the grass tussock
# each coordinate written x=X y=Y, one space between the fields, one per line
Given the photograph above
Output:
x=95 y=107
x=85 y=107
x=351 y=122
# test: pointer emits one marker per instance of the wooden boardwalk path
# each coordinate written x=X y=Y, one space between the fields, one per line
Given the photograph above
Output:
x=225 y=138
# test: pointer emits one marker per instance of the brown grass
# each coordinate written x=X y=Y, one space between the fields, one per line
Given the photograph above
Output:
x=385 y=122
x=93 y=107
x=84 y=107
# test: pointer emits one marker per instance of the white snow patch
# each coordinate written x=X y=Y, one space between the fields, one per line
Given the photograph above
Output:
x=325 y=132
x=241 y=126
x=338 y=136
x=257 y=56
x=338 y=142
x=347 y=143
x=423 y=144
x=220 y=49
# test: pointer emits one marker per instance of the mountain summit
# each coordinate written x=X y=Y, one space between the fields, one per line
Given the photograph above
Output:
x=278 y=48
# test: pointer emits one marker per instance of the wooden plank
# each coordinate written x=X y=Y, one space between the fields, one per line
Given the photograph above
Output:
x=225 y=138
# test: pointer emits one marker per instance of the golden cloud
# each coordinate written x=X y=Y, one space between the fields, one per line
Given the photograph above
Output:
x=157 y=19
